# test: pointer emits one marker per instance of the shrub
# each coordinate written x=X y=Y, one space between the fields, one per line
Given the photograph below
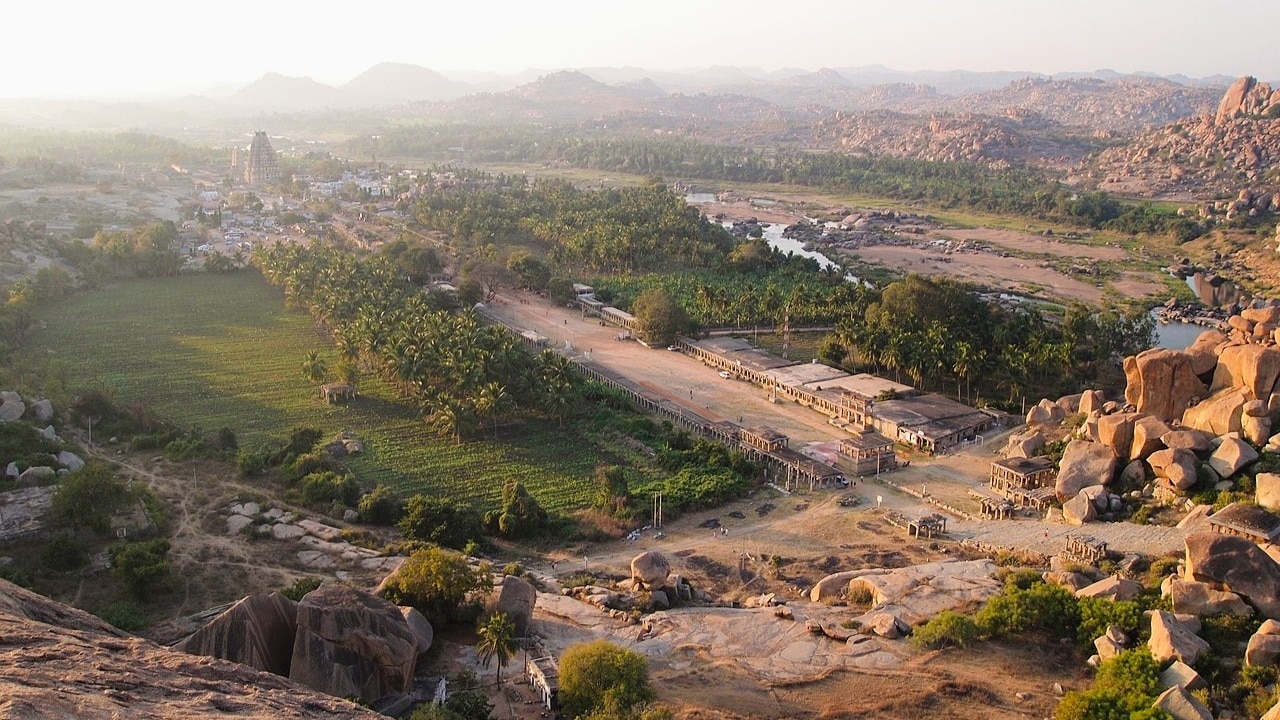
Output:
x=440 y=521
x=513 y=568
x=142 y=565
x=324 y=488
x=947 y=628
x=520 y=514
x=88 y=498
x=301 y=587
x=601 y=676
x=1096 y=614
x=251 y=462
x=436 y=581
x=380 y=506
x=64 y=552
x=124 y=614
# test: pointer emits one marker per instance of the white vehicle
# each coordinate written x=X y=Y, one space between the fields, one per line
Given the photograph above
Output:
x=726 y=374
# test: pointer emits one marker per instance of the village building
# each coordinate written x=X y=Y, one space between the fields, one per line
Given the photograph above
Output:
x=544 y=677
x=1023 y=473
x=738 y=357
x=337 y=392
x=931 y=422
x=869 y=453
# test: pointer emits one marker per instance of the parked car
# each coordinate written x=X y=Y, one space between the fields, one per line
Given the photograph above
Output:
x=726 y=374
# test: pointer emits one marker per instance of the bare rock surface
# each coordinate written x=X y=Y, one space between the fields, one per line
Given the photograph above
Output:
x=1268 y=490
x=352 y=644
x=516 y=598
x=1231 y=457
x=1084 y=464
x=1252 y=368
x=1238 y=565
x=258 y=631
x=1219 y=414
x=1161 y=382
x=62 y=663
x=1180 y=674
x=1182 y=705
x=1172 y=640
x=1197 y=598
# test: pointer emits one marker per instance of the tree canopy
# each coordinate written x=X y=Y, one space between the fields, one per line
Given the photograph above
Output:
x=599 y=675
x=436 y=581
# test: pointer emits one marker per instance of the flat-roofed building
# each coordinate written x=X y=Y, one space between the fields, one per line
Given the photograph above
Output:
x=930 y=422
x=737 y=356
x=869 y=452
x=1020 y=472
x=1253 y=522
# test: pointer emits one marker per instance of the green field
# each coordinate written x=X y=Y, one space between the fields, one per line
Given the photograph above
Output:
x=212 y=351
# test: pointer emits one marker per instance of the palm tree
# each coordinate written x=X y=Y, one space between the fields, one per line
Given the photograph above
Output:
x=314 y=367
x=497 y=642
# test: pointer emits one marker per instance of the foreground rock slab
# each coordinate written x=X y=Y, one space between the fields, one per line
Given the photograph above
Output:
x=63 y=663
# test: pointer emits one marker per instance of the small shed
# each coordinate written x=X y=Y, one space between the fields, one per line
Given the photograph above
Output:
x=337 y=392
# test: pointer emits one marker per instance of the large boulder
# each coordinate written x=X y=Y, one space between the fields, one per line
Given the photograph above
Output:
x=1204 y=351
x=1161 y=382
x=1255 y=428
x=516 y=598
x=1084 y=464
x=1182 y=705
x=1172 y=640
x=1147 y=431
x=1116 y=432
x=1180 y=674
x=1079 y=509
x=1025 y=445
x=1113 y=588
x=832 y=587
x=1252 y=368
x=1197 y=598
x=1238 y=565
x=36 y=475
x=1186 y=439
x=649 y=570
x=420 y=626
x=258 y=631
x=70 y=460
x=1231 y=457
x=1264 y=645
x=1219 y=414
x=1177 y=466
x=11 y=410
x=1091 y=401
x=1268 y=490
x=1046 y=412
x=352 y=644
x=42 y=410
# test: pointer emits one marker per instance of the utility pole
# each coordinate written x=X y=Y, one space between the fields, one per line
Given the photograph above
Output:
x=657 y=510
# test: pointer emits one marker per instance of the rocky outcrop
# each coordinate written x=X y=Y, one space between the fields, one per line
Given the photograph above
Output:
x=1197 y=598
x=1147 y=431
x=1264 y=645
x=1046 y=413
x=516 y=598
x=258 y=631
x=1185 y=439
x=1204 y=351
x=1084 y=464
x=1161 y=382
x=1116 y=432
x=1217 y=415
x=1079 y=510
x=1177 y=466
x=1232 y=455
x=1268 y=490
x=1238 y=565
x=1180 y=674
x=1182 y=705
x=1113 y=588
x=63 y=663
x=1172 y=640
x=1246 y=96
x=649 y=570
x=423 y=633
x=1251 y=368
x=352 y=644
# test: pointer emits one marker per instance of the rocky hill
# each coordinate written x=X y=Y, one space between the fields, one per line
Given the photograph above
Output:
x=1235 y=148
x=63 y=663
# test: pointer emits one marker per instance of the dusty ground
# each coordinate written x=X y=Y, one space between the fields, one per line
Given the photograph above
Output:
x=1015 y=274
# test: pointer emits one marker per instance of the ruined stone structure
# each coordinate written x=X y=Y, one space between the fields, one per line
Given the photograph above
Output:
x=261 y=168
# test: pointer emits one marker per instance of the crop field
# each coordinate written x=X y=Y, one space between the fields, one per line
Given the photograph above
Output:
x=213 y=351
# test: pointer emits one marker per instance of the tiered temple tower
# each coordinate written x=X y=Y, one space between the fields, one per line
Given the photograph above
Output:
x=261 y=169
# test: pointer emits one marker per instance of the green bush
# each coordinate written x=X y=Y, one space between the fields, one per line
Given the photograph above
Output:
x=520 y=514
x=441 y=521
x=380 y=506
x=124 y=614
x=64 y=552
x=142 y=565
x=1096 y=614
x=325 y=488
x=436 y=581
x=601 y=676
x=251 y=462
x=88 y=498
x=948 y=628
x=301 y=587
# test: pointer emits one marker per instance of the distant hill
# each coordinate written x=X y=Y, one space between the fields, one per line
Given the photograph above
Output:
x=274 y=92
x=401 y=82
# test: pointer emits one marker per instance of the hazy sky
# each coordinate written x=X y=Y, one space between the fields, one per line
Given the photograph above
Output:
x=91 y=48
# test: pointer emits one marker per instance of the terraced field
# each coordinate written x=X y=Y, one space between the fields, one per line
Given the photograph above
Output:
x=215 y=351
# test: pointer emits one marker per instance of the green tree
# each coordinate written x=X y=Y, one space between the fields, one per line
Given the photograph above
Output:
x=380 y=506
x=88 y=498
x=314 y=367
x=142 y=565
x=441 y=521
x=436 y=581
x=520 y=514
x=659 y=319
x=599 y=675
x=497 y=642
